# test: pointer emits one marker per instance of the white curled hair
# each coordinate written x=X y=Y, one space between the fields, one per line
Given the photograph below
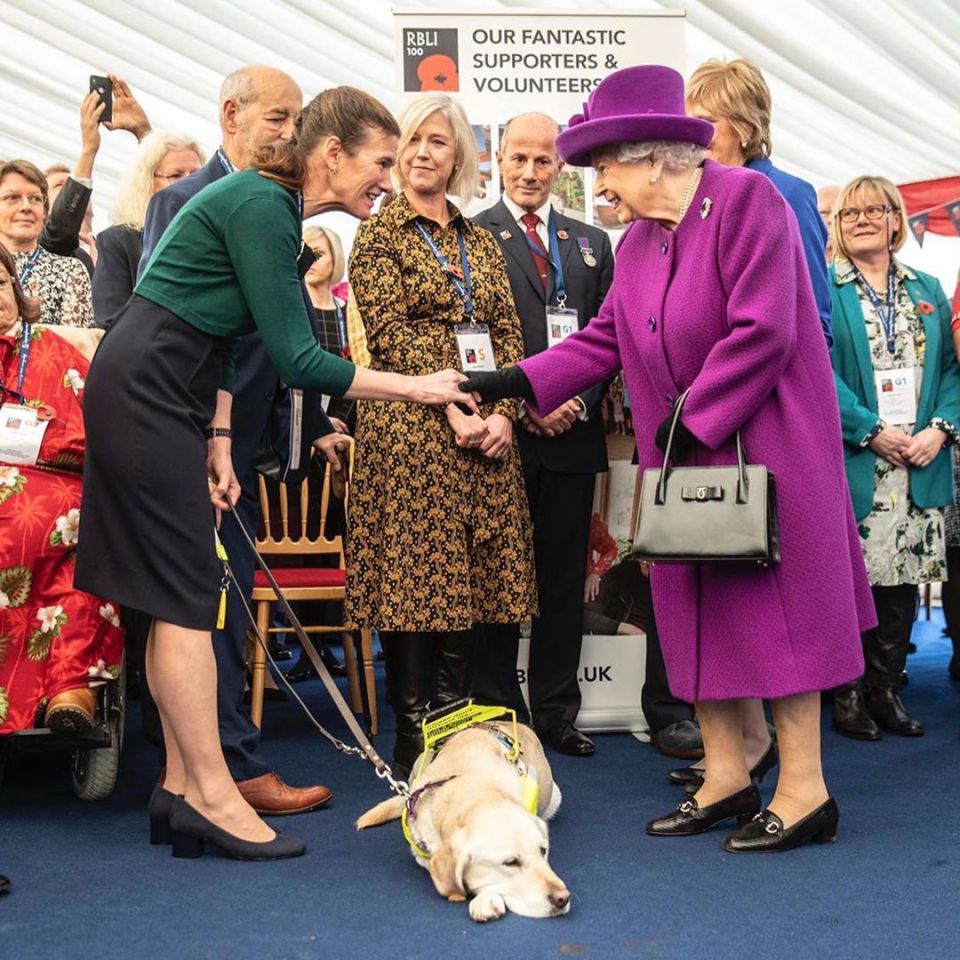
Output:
x=675 y=154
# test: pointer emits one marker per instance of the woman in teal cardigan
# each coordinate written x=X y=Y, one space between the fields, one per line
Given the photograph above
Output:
x=898 y=384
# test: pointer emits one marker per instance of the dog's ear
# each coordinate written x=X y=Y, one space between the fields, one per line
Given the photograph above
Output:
x=447 y=866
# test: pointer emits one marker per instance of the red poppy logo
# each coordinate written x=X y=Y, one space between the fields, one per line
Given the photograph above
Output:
x=925 y=307
x=438 y=72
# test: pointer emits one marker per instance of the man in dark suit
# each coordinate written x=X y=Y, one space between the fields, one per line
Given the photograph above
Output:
x=258 y=105
x=553 y=262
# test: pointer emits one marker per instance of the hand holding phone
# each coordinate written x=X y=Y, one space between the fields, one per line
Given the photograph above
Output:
x=103 y=87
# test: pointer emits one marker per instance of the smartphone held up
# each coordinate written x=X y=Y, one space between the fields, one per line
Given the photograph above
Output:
x=104 y=88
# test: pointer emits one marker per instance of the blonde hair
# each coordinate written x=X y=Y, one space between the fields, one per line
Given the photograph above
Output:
x=737 y=92
x=312 y=234
x=136 y=186
x=465 y=178
x=854 y=190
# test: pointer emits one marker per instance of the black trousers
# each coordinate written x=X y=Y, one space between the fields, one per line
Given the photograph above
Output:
x=560 y=506
x=660 y=707
x=950 y=596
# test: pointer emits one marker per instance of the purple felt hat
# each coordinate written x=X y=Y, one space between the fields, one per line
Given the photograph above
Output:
x=632 y=105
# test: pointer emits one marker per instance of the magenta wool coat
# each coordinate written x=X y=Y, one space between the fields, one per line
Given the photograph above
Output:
x=724 y=305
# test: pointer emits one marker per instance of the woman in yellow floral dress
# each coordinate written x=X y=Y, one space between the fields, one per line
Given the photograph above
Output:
x=440 y=537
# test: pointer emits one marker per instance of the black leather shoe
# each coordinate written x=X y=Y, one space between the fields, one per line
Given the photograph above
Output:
x=189 y=830
x=682 y=739
x=850 y=715
x=887 y=709
x=303 y=670
x=684 y=775
x=765 y=833
x=161 y=801
x=279 y=652
x=568 y=739
x=759 y=770
x=689 y=819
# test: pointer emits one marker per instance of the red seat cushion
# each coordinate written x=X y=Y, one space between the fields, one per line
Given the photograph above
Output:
x=302 y=577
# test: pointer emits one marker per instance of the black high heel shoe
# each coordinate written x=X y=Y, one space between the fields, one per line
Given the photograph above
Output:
x=690 y=819
x=765 y=833
x=159 y=809
x=757 y=772
x=189 y=829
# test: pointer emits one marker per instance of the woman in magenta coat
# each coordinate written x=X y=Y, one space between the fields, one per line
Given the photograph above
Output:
x=712 y=293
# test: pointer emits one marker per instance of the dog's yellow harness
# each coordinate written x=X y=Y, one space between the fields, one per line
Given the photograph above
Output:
x=441 y=728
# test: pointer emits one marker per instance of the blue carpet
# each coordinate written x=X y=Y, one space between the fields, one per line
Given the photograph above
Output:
x=87 y=883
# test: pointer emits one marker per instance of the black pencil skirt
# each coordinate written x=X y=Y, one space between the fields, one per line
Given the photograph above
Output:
x=147 y=538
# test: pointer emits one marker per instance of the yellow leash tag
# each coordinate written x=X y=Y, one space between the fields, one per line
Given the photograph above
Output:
x=224 y=582
x=222 y=609
x=529 y=792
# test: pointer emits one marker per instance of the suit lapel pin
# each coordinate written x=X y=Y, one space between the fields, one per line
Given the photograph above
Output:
x=505 y=234
x=563 y=235
x=705 y=208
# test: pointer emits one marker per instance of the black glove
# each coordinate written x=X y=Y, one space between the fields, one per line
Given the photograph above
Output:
x=499 y=385
x=683 y=439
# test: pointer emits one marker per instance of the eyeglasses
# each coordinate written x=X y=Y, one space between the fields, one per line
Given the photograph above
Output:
x=16 y=199
x=875 y=211
x=171 y=176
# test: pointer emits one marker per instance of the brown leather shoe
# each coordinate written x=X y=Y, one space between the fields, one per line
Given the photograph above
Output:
x=72 y=711
x=270 y=796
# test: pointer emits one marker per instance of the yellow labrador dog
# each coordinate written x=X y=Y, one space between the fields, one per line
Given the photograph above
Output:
x=475 y=836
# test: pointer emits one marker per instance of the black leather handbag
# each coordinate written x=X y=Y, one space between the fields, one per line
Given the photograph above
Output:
x=707 y=514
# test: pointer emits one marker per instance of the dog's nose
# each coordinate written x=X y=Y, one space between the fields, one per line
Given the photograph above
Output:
x=560 y=899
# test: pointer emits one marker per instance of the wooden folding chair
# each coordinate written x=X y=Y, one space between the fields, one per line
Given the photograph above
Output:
x=307 y=583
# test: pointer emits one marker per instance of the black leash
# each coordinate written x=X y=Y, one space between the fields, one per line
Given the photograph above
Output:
x=366 y=749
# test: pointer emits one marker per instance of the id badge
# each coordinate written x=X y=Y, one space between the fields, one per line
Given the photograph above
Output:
x=21 y=433
x=475 y=346
x=897 y=395
x=561 y=322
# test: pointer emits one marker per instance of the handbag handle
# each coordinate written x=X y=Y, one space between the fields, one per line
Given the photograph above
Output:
x=742 y=486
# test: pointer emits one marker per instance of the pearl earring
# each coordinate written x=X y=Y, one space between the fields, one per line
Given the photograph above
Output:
x=654 y=178
x=743 y=144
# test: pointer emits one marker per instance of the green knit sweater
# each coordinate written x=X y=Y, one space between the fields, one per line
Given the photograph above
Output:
x=227 y=265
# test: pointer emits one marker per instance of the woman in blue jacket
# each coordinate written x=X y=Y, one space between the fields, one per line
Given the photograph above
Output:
x=898 y=384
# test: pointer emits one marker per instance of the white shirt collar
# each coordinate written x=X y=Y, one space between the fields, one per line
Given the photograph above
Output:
x=517 y=212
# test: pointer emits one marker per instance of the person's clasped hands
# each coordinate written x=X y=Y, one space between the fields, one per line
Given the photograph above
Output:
x=903 y=450
x=555 y=423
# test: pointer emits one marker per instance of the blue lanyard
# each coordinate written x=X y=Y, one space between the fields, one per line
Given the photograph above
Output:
x=341 y=325
x=228 y=167
x=27 y=268
x=886 y=312
x=465 y=286
x=26 y=342
x=554 y=258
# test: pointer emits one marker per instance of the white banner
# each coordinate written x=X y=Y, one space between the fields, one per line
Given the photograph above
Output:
x=504 y=62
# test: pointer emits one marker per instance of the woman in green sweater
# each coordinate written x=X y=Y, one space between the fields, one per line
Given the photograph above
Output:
x=157 y=412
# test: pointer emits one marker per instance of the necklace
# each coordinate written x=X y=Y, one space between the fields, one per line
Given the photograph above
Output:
x=688 y=191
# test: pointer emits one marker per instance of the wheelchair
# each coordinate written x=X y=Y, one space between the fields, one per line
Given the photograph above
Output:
x=94 y=756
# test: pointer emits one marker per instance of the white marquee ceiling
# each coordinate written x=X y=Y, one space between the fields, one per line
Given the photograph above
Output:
x=857 y=86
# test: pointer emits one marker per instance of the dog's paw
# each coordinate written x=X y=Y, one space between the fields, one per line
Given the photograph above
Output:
x=487 y=905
